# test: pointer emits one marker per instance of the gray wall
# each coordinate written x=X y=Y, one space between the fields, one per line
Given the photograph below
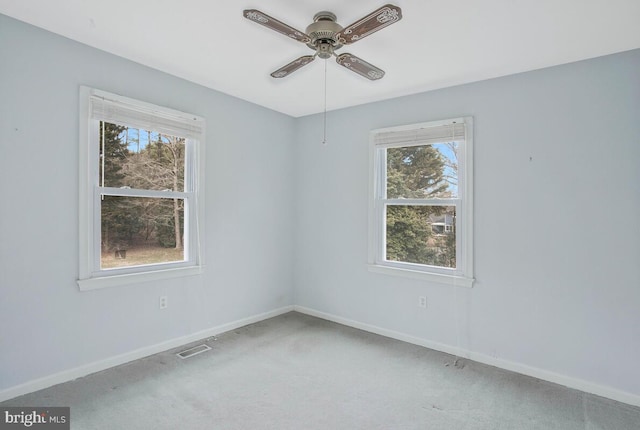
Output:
x=557 y=210
x=556 y=217
x=46 y=324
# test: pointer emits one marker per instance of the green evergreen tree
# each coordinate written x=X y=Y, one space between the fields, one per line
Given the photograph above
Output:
x=119 y=219
x=115 y=152
x=408 y=233
x=415 y=172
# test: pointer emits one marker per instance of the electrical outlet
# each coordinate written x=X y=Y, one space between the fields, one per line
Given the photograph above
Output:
x=163 y=302
x=422 y=301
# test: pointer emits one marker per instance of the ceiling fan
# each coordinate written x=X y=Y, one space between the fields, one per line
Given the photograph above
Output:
x=325 y=36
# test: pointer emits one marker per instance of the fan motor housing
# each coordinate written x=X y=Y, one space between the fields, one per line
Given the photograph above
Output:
x=323 y=33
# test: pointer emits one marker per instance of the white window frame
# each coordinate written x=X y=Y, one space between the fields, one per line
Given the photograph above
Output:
x=384 y=138
x=97 y=105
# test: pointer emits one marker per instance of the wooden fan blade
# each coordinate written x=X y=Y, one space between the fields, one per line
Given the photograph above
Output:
x=285 y=71
x=360 y=66
x=272 y=23
x=376 y=20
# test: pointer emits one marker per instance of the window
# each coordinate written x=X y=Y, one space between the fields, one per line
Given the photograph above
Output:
x=140 y=191
x=421 y=204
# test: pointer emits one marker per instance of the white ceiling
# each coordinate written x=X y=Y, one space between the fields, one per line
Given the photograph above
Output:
x=435 y=45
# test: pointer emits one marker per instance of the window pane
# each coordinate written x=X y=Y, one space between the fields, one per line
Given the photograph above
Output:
x=136 y=158
x=141 y=230
x=423 y=172
x=421 y=235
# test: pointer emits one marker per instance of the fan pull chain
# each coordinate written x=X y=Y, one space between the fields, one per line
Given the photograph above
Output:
x=324 y=138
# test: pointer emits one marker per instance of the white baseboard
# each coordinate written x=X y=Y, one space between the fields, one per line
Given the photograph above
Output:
x=575 y=383
x=97 y=366
x=78 y=372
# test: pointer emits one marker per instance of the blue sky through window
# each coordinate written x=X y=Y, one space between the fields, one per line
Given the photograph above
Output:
x=448 y=152
x=138 y=139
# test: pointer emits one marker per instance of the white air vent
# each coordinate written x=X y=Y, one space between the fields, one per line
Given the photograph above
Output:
x=193 y=351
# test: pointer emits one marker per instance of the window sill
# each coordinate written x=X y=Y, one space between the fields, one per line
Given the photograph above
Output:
x=457 y=281
x=134 y=278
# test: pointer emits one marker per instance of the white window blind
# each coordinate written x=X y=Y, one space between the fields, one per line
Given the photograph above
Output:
x=143 y=116
x=421 y=136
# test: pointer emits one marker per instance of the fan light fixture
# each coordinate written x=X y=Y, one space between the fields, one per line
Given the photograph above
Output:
x=325 y=36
